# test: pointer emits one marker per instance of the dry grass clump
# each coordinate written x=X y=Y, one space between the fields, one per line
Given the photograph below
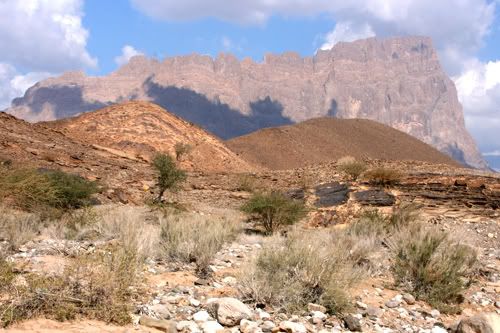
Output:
x=18 y=228
x=433 y=266
x=383 y=176
x=44 y=191
x=94 y=287
x=351 y=167
x=246 y=182
x=426 y=261
x=302 y=268
x=194 y=238
x=274 y=210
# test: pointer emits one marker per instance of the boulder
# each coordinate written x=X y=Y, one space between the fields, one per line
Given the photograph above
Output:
x=482 y=323
x=331 y=194
x=229 y=311
x=374 y=198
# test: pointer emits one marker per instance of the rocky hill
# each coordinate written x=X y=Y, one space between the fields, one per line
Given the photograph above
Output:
x=396 y=81
x=328 y=139
x=141 y=129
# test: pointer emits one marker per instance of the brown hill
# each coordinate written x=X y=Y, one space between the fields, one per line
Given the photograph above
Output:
x=327 y=139
x=396 y=81
x=140 y=129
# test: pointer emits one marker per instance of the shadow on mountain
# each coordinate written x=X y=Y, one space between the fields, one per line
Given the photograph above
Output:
x=67 y=101
x=456 y=153
x=334 y=109
x=214 y=116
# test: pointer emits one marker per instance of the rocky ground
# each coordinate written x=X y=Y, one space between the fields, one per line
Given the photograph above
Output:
x=176 y=300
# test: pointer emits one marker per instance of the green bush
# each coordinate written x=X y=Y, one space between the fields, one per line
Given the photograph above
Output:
x=383 y=176
x=274 y=210
x=193 y=238
x=36 y=190
x=72 y=191
x=304 y=267
x=351 y=167
x=168 y=175
x=432 y=266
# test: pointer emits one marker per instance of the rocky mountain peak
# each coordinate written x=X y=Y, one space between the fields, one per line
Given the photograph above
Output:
x=396 y=81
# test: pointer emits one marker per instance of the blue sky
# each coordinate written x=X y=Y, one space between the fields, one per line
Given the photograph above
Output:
x=43 y=38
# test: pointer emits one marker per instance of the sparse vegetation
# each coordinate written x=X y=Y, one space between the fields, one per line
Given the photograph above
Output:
x=17 y=228
x=383 y=176
x=304 y=267
x=40 y=191
x=351 y=167
x=274 y=210
x=432 y=266
x=94 y=287
x=181 y=149
x=169 y=176
x=246 y=183
x=194 y=238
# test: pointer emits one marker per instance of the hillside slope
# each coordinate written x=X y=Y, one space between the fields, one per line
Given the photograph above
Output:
x=396 y=81
x=327 y=139
x=140 y=129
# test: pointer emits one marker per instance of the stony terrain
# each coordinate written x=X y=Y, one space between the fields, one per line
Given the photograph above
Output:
x=396 y=81
x=327 y=139
x=141 y=129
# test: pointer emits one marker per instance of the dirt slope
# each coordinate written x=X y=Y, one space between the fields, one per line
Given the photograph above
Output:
x=327 y=139
x=140 y=129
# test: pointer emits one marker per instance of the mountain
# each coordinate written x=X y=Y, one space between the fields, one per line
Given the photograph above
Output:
x=328 y=139
x=141 y=129
x=395 y=81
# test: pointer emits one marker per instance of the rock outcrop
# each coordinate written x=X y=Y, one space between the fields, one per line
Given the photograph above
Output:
x=396 y=81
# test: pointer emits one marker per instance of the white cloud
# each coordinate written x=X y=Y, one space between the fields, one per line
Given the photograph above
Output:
x=44 y=35
x=13 y=84
x=494 y=153
x=127 y=53
x=347 y=32
x=479 y=92
x=40 y=37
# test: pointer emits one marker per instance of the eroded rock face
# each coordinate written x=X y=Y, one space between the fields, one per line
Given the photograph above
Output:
x=396 y=81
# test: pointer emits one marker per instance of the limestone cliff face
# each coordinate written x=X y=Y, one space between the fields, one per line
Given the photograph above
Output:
x=396 y=81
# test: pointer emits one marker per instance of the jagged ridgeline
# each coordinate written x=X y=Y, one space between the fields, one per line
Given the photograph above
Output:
x=396 y=81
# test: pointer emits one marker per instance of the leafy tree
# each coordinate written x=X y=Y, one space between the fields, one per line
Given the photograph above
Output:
x=169 y=176
x=274 y=210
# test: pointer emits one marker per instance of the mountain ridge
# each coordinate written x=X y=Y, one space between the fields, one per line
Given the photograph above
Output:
x=395 y=81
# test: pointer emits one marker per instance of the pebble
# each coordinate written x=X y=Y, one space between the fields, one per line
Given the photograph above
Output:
x=437 y=329
x=392 y=304
x=353 y=323
x=361 y=305
x=292 y=327
x=211 y=327
x=189 y=326
x=435 y=314
x=316 y=307
x=267 y=326
x=374 y=312
x=201 y=316
x=194 y=302
x=409 y=299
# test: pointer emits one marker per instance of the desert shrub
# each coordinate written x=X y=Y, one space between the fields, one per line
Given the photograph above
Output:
x=245 y=183
x=18 y=228
x=351 y=167
x=318 y=267
x=36 y=190
x=432 y=266
x=383 y=176
x=168 y=175
x=372 y=222
x=93 y=287
x=274 y=210
x=181 y=149
x=72 y=191
x=193 y=238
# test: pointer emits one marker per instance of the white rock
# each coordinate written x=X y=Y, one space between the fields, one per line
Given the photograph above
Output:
x=361 y=305
x=201 y=316
x=230 y=280
x=188 y=326
x=289 y=326
x=247 y=326
x=437 y=329
x=194 y=302
x=262 y=315
x=211 y=327
x=319 y=315
x=435 y=314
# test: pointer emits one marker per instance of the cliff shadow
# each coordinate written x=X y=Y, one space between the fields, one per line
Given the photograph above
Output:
x=214 y=116
x=66 y=101
x=334 y=108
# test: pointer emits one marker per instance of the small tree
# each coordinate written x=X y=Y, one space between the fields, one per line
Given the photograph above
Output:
x=169 y=176
x=181 y=149
x=274 y=210
x=351 y=167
